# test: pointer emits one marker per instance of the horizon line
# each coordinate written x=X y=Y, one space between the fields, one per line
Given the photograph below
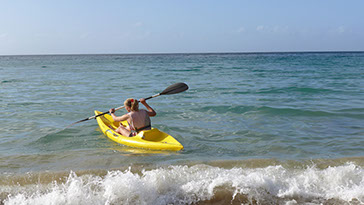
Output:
x=182 y=53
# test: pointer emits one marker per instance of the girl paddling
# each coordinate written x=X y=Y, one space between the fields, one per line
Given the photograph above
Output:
x=138 y=119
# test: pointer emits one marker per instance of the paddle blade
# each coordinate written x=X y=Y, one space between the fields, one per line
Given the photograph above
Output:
x=175 y=88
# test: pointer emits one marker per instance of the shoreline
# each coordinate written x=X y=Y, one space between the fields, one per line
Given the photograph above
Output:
x=188 y=184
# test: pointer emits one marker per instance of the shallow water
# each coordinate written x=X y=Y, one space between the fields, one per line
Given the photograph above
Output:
x=280 y=115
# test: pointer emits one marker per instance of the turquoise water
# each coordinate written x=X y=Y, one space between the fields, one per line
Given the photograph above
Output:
x=252 y=114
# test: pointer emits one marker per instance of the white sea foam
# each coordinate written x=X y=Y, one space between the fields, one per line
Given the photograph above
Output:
x=193 y=184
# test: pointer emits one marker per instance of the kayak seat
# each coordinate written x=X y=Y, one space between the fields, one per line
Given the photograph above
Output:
x=153 y=135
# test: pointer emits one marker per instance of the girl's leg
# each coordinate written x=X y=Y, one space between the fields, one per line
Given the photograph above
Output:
x=123 y=131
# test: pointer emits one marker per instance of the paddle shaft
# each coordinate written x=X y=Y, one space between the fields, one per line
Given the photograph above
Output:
x=118 y=108
x=172 y=89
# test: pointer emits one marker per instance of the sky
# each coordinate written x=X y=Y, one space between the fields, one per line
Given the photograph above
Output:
x=184 y=26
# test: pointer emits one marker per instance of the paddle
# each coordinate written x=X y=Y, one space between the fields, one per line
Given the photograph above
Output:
x=172 y=89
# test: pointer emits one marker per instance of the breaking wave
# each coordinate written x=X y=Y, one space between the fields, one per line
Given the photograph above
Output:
x=197 y=184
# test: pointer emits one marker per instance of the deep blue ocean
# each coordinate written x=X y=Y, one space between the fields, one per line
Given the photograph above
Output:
x=257 y=128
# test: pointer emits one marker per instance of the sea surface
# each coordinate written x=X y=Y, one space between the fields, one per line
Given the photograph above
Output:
x=257 y=128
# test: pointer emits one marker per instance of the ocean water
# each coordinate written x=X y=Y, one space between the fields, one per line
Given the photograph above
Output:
x=257 y=128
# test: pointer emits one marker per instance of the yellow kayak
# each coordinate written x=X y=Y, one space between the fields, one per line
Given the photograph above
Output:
x=147 y=139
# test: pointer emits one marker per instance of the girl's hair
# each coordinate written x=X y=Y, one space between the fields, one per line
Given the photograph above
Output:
x=132 y=103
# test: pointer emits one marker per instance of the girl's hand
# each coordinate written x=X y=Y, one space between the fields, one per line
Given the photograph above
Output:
x=142 y=100
x=112 y=110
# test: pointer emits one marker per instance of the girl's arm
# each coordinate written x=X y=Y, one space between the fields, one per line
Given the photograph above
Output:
x=116 y=118
x=150 y=111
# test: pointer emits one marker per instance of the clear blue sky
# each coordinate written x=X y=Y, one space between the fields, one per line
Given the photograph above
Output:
x=170 y=26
